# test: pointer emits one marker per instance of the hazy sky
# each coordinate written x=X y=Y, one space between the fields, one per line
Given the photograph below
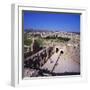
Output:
x=51 y=21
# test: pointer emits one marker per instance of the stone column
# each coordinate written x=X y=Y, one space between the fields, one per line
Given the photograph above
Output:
x=32 y=44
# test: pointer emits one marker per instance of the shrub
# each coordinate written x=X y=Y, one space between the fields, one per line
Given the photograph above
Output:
x=27 y=42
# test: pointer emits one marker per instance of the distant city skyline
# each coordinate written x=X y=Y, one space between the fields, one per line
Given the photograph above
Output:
x=67 y=22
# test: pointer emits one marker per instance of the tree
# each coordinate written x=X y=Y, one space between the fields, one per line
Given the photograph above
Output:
x=27 y=42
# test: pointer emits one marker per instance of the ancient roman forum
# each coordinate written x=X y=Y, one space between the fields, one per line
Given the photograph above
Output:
x=51 y=54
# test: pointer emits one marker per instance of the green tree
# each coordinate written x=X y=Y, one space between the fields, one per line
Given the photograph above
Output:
x=27 y=42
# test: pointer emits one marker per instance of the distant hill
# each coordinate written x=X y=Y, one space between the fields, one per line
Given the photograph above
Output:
x=40 y=30
x=76 y=33
x=37 y=30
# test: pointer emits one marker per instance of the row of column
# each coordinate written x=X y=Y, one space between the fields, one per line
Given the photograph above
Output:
x=39 y=59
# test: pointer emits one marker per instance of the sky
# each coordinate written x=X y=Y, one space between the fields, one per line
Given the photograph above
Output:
x=51 y=21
